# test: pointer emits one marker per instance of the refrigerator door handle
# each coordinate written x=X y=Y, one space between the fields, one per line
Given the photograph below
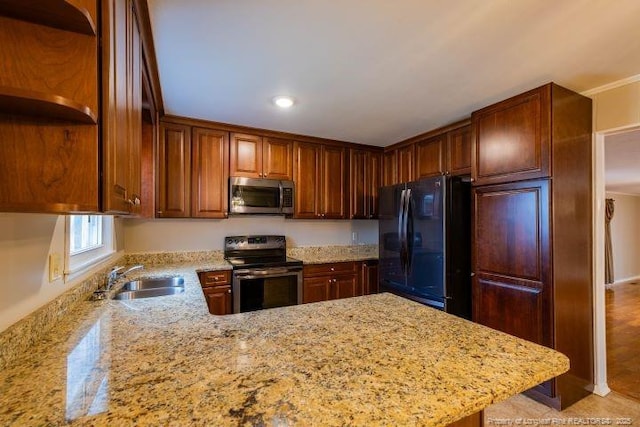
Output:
x=407 y=246
x=401 y=230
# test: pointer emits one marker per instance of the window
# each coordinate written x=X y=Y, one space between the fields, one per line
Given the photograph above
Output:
x=89 y=241
x=85 y=233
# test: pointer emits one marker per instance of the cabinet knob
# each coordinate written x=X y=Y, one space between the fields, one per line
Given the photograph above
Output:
x=473 y=180
x=228 y=291
x=333 y=269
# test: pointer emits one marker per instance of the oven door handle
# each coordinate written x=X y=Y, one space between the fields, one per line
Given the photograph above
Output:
x=255 y=274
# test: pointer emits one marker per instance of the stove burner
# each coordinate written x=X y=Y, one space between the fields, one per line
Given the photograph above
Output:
x=258 y=252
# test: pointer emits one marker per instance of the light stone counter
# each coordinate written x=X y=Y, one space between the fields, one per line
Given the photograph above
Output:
x=364 y=361
x=331 y=254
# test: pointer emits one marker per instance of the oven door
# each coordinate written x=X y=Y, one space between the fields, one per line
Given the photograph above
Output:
x=260 y=288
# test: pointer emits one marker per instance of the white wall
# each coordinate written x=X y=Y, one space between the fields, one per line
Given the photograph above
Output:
x=198 y=235
x=625 y=236
x=26 y=240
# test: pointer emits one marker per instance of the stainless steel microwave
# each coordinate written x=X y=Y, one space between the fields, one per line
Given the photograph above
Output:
x=260 y=196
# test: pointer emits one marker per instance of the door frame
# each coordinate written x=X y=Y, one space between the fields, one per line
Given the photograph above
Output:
x=601 y=387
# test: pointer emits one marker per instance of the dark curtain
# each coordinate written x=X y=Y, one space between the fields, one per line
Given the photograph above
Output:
x=608 y=248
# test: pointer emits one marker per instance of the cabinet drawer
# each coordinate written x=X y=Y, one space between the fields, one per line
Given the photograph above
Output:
x=329 y=269
x=213 y=278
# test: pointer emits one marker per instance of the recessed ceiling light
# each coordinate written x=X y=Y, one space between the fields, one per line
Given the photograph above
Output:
x=283 y=101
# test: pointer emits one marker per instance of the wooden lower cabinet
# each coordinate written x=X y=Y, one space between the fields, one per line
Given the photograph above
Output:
x=534 y=282
x=512 y=259
x=216 y=287
x=323 y=282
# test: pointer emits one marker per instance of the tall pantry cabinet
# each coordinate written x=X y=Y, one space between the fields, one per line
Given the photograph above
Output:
x=532 y=235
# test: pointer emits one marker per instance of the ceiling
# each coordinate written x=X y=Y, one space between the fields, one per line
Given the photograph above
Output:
x=622 y=162
x=378 y=71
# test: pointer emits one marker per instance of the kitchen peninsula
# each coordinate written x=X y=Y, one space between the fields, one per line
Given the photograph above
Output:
x=372 y=360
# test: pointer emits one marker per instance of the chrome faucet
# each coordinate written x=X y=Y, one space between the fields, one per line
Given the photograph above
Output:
x=115 y=274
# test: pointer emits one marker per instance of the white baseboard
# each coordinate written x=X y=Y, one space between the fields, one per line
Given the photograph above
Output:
x=625 y=280
x=601 y=389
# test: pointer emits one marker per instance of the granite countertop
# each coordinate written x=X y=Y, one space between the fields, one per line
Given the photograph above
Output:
x=372 y=360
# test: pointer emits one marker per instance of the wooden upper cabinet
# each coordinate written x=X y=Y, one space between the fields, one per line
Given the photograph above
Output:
x=390 y=168
x=277 y=158
x=429 y=156
x=406 y=156
x=210 y=173
x=246 y=155
x=135 y=127
x=306 y=175
x=320 y=177
x=358 y=184
x=255 y=156
x=512 y=139
x=122 y=108
x=174 y=171
x=374 y=174
x=459 y=151
x=49 y=105
x=333 y=187
x=365 y=173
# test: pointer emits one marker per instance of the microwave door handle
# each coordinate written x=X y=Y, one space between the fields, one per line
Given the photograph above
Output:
x=281 y=196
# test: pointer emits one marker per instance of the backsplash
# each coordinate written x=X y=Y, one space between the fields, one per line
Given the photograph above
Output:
x=160 y=258
x=32 y=328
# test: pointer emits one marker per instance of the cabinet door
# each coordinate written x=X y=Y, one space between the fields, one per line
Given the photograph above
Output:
x=512 y=259
x=512 y=139
x=405 y=163
x=345 y=286
x=277 y=158
x=219 y=299
x=174 y=170
x=306 y=176
x=210 y=174
x=374 y=175
x=358 y=184
x=135 y=120
x=333 y=194
x=369 y=278
x=315 y=289
x=429 y=157
x=459 y=151
x=246 y=155
x=116 y=132
x=390 y=168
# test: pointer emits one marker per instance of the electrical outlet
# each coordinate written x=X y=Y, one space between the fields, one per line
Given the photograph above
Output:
x=55 y=267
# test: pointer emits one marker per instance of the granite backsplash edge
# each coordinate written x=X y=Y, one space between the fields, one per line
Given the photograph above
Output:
x=18 y=337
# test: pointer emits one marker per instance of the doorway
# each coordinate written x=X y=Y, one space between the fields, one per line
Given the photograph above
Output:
x=622 y=290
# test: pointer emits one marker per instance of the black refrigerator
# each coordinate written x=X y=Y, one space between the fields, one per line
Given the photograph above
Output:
x=425 y=242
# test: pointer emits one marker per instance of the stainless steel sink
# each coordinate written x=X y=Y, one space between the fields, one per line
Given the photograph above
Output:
x=153 y=283
x=151 y=287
